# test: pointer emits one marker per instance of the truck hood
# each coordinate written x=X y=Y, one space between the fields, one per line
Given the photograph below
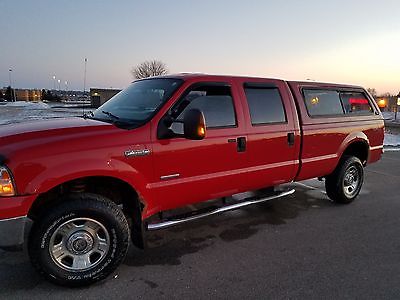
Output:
x=39 y=152
x=23 y=136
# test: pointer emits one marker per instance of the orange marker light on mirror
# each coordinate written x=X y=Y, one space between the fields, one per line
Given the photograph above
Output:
x=202 y=131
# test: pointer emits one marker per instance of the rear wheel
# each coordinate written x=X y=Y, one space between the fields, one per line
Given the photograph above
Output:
x=345 y=183
x=79 y=241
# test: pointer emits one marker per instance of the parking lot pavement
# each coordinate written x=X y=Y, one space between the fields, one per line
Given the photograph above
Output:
x=301 y=246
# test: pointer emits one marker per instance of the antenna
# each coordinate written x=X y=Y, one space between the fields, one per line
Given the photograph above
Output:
x=84 y=87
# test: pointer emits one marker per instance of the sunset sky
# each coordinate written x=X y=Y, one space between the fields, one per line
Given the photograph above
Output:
x=338 y=41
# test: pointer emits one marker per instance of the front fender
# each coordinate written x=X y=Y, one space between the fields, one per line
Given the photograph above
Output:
x=48 y=178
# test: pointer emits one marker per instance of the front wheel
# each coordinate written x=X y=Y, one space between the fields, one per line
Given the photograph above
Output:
x=344 y=184
x=79 y=241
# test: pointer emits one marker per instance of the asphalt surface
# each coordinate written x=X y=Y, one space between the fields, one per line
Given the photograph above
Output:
x=299 y=247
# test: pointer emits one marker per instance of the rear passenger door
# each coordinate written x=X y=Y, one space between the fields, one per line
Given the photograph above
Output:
x=272 y=131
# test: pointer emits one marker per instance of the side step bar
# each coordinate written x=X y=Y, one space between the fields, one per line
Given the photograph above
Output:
x=173 y=222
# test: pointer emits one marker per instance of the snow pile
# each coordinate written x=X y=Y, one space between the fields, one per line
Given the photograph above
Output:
x=20 y=111
x=392 y=140
x=390 y=116
x=25 y=104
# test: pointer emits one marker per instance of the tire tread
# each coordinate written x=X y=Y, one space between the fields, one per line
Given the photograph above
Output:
x=75 y=202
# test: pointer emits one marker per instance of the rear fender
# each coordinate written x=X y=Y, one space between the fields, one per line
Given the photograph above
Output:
x=350 y=139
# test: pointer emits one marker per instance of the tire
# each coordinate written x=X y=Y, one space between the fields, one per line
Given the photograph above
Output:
x=344 y=184
x=79 y=241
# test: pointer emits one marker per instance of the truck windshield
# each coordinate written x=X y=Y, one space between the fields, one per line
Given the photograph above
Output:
x=137 y=103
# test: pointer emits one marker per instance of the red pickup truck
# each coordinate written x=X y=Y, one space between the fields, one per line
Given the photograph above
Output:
x=77 y=190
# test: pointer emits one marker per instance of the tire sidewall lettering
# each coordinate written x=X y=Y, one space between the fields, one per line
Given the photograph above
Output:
x=87 y=205
x=51 y=228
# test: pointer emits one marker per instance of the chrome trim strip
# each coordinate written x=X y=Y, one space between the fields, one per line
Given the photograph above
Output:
x=317 y=158
x=14 y=218
x=162 y=225
x=376 y=147
x=211 y=176
x=172 y=176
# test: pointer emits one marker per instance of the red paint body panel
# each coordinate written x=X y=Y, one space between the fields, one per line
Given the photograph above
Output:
x=44 y=154
x=207 y=169
x=267 y=165
x=12 y=207
x=324 y=139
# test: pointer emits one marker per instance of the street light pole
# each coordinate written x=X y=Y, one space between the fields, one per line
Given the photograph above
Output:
x=59 y=84
x=13 y=97
x=84 y=88
x=9 y=75
x=84 y=78
x=66 y=89
x=54 y=82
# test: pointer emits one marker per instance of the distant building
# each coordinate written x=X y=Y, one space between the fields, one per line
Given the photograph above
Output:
x=25 y=94
x=28 y=95
x=100 y=96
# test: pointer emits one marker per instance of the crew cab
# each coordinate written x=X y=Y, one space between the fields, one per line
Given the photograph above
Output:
x=77 y=190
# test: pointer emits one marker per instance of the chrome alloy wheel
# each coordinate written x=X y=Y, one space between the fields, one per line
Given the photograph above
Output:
x=351 y=181
x=79 y=244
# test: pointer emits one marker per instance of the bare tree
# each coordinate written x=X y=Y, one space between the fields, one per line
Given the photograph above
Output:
x=386 y=95
x=149 y=68
x=372 y=91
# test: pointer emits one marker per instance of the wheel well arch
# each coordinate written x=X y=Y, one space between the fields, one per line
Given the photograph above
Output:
x=116 y=190
x=359 y=149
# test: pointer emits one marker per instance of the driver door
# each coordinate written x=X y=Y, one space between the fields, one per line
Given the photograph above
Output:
x=189 y=171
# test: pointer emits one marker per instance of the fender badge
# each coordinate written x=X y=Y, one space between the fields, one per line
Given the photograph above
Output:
x=144 y=152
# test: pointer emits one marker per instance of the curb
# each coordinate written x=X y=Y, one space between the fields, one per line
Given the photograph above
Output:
x=392 y=124
x=391 y=148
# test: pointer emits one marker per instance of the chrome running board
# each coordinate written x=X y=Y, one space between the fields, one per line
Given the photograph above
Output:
x=173 y=222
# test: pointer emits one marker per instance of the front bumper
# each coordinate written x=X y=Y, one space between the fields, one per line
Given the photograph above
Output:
x=13 y=221
x=12 y=233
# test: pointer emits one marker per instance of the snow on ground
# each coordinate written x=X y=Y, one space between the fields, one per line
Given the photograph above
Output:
x=391 y=140
x=390 y=116
x=32 y=105
x=21 y=111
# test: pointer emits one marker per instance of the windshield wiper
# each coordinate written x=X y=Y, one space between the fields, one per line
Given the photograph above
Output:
x=88 y=115
x=117 y=121
x=110 y=114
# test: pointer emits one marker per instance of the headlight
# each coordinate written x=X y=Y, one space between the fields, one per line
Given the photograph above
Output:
x=6 y=183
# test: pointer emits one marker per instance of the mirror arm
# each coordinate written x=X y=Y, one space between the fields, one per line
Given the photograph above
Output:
x=168 y=120
x=163 y=131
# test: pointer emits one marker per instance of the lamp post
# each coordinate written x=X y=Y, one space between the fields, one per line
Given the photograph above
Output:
x=397 y=106
x=13 y=96
x=84 y=77
x=59 y=81
x=54 y=82
x=66 y=89
x=9 y=75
